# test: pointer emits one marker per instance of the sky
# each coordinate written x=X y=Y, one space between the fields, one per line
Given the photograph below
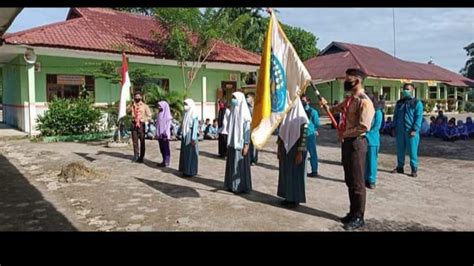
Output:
x=420 y=33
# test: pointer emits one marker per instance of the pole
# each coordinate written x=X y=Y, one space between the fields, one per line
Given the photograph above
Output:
x=394 y=44
x=326 y=108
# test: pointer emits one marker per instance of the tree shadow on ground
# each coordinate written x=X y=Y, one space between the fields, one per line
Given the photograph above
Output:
x=267 y=166
x=172 y=190
x=85 y=156
x=260 y=197
x=211 y=155
x=330 y=179
x=22 y=206
x=330 y=162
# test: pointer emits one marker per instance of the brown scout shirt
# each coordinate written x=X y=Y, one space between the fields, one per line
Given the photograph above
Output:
x=144 y=111
x=359 y=115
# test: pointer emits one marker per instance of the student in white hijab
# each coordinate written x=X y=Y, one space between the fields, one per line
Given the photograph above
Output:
x=237 y=172
x=292 y=156
x=188 y=157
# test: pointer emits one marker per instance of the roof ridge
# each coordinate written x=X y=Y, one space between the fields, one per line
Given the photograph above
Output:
x=98 y=10
x=19 y=33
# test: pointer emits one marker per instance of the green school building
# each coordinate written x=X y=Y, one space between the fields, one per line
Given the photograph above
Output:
x=66 y=51
x=386 y=75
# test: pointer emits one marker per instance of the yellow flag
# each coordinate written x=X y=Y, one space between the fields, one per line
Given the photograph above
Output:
x=281 y=81
x=263 y=104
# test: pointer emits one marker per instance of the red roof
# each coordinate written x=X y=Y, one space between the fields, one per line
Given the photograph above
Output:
x=107 y=30
x=333 y=61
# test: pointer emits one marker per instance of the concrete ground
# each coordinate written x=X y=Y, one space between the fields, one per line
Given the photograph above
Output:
x=125 y=196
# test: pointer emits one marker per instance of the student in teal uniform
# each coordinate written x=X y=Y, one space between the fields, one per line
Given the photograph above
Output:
x=407 y=121
x=312 y=132
x=373 y=140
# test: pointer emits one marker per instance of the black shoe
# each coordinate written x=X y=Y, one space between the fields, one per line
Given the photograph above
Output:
x=161 y=164
x=313 y=174
x=292 y=205
x=134 y=159
x=398 y=170
x=140 y=160
x=413 y=173
x=354 y=223
x=370 y=185
x=346 y=218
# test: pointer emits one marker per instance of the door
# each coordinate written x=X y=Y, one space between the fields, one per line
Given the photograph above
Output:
x=228 y=87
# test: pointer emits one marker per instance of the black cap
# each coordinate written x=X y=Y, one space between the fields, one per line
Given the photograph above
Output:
x=356 y=72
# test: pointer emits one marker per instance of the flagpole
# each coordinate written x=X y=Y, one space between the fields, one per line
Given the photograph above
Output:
x=325 y=106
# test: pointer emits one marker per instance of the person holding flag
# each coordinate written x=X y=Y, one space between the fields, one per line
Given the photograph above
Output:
x=237 y=171
x=283 y=78
x=357 y=114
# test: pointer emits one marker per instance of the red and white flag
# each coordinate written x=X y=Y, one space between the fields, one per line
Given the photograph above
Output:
x=125 y=91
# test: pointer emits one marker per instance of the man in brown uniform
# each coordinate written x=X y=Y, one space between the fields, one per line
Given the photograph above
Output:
x=141 y=114
x=357 y=113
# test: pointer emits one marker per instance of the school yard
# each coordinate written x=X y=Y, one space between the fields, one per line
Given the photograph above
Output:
x=124 y=196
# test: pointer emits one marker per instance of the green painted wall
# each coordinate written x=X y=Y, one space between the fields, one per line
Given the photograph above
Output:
x=14 y=82
x=107 y=93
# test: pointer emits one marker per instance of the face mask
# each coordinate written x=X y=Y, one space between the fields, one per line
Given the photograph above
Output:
x=137 y=100
x=234 y=102
x=221 y=106
x=306 y=106
x=406 y=93
x=186 y=108
x=348 y=85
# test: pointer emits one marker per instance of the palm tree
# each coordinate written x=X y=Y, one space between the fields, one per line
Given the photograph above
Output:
x=153 y=93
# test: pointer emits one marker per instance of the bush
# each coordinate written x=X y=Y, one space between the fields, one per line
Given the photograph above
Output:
x=69 y=117
x=469 y=107
x=451 y=105
x=429 y=105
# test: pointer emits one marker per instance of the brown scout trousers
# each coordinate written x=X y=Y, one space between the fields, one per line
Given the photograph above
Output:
x=138 y=134
x=354 y=151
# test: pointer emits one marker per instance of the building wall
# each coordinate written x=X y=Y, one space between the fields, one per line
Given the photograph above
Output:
x=15 y=83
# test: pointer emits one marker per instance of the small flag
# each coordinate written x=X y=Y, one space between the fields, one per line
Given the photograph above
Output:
x=283 y=78
x=125 y=90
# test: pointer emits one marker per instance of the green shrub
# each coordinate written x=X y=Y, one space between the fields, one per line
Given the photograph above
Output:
x=469 y=107
x=153 y=93
x=390 y=110
x=69 y=117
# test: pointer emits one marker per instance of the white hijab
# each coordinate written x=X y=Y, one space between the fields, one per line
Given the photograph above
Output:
x=291 y=125
x=189 y=116
x=239 y=115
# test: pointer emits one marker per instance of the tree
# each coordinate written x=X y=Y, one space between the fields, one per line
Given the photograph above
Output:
x=468 y=70
x=138 y=10
x=303 y=41
x=190 y=36
x=251 y=36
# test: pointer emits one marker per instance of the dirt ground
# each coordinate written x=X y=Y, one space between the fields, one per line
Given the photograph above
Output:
x=124 y=196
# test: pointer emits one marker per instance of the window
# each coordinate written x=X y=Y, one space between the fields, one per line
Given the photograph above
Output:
x=432 y=92
x=68 y=86
x=386 y=91
x=369 y=89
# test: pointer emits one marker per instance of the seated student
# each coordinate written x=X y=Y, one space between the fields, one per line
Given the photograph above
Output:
x=462 y=130
x=442 y=116
x=425 y=128
x=211 y=131
x=432 y=126
x=440 y=129
x=451 y=133
x=201 y=128
x=470 y=126
x=151 y=131
x=387 y=127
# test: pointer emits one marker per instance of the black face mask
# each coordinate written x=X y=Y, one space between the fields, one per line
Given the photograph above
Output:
x=137 y=100
x=348 y=85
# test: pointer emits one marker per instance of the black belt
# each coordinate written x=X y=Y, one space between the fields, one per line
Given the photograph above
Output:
x=354 y=138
